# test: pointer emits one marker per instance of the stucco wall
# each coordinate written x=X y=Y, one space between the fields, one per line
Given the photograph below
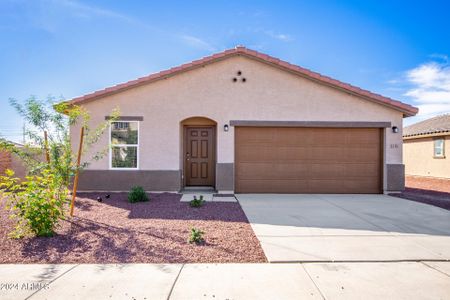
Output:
x=268 y=94
x=419 y=160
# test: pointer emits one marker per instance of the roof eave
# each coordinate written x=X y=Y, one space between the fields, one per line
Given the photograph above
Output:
x=426 y=135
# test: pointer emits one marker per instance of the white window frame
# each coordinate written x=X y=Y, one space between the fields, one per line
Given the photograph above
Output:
x=124 y=145
x=442 y=148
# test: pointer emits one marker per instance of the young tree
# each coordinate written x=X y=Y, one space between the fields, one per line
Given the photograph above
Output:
x=38 y=202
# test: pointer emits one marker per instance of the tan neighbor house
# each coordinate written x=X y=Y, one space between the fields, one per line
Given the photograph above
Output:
x=11 y=161
x=426 y=148
x=246 y=122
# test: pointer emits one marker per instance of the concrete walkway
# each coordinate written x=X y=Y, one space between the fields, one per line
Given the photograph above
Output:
x=330 y=228
x=401 y=280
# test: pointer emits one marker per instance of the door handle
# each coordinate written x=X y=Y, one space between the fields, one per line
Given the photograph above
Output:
x=187 y=156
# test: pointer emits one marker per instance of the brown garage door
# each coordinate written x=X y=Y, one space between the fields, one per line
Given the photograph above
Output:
x=308 y=160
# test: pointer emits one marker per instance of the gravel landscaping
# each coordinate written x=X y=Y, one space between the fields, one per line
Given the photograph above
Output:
x=436 y=198
x=115 y=231
x=428 y=183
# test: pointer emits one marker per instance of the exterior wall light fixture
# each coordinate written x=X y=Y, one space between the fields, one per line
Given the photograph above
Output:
x=226 y=127
x=394 y=129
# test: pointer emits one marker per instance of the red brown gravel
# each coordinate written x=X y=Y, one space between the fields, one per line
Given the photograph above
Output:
x=116 y=231
x=428 y=183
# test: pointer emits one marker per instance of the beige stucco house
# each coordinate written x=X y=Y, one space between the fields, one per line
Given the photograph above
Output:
x=246 y=122
x=425 y=147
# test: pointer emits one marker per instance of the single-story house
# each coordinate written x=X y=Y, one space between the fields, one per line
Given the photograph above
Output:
x=425 y=150
x=245 y=122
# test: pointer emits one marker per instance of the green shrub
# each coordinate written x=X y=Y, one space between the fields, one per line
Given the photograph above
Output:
x=37 y=204
x=196 y=236
x=137 y=194
x=197 y=202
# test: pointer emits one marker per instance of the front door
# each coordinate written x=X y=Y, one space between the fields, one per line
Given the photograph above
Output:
x=199 y=156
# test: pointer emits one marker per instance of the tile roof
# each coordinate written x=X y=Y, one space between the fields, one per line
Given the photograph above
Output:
x=439 y=124
x=406 y=109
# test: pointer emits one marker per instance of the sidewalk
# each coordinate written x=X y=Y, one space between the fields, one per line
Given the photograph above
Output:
x=393 y=280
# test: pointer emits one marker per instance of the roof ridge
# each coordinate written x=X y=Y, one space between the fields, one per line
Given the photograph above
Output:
x=436 y=124
x=447 y=114
x=407 y=109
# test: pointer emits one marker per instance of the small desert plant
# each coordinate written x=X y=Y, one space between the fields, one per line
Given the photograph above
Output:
x=137 y=194
x=196 y=236
x=36 y=203
x=197 y=202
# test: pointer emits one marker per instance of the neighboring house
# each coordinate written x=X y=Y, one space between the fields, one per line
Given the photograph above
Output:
x=12 y=162
x=426 y=146
x=246 y=122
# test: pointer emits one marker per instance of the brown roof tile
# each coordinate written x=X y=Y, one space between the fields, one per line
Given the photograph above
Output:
x=439 y=124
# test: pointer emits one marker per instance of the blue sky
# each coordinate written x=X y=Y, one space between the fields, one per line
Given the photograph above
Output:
x=71 y=47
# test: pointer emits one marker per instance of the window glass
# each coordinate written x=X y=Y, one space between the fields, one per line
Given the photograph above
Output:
x=124 y=157
x=439 y=147
x=124 y=133
x=124 y=145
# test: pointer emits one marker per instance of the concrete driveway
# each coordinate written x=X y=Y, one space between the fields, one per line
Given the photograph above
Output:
x=325 y=228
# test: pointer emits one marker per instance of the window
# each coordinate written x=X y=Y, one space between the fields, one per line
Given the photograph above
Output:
x=121 y=125
x=439 y=148
x=124 y=140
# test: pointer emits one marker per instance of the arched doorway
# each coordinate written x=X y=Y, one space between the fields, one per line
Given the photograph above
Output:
x=198 y=155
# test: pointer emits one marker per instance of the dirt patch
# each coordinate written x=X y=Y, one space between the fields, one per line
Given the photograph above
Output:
x=435 y=198
x=116 y=231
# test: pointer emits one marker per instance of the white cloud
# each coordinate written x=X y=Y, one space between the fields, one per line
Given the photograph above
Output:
x=80 y=10
x=279 y=36
x=439 y=56
x=197 y=43
x=84 y=10
x=429 y=88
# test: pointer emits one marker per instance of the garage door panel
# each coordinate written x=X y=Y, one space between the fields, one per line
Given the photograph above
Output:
x=327 y=153
x=363 y=154
x=338 y=186
x=332 y=153
x=363 y=170
x=252 y=153
x=253 y=135
x=361 y=185
x=327 y=137
x=345 y=170
x=369 y=136
x=272 y=170
x=292 y=137
x=326 y=186
x=268 y=186
x=342 y=154
x=308 y=160
x=326 y=171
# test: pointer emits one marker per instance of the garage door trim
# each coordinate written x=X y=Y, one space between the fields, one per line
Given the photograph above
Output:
x=318 y=124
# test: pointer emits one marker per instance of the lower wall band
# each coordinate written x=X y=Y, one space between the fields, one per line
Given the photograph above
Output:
x=123 y=180
x=395 y=176
x=170 y=180
x=225 y=176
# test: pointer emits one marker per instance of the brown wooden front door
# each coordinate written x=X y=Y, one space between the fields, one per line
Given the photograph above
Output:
x=199 y=156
